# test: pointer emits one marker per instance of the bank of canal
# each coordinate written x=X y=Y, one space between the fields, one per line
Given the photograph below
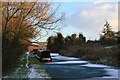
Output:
x=61 y=68
x=28 y=67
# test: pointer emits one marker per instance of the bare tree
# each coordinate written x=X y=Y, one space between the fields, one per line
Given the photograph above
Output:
x=26 y=20
x=22 y=21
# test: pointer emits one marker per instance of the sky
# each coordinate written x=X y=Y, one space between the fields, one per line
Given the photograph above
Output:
x=87 y=17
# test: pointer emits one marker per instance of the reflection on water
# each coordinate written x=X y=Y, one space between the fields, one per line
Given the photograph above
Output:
x=69 y=67
x=61 y=68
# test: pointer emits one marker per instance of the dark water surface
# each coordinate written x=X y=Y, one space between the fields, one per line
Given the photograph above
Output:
x=62 y=68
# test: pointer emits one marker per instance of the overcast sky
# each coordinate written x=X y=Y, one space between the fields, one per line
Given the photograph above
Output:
x=88 y=17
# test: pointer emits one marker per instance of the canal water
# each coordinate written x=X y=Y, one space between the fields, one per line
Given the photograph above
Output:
x=62 y=68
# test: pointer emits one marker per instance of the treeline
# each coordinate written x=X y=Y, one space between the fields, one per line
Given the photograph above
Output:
x=21 y=22
x=56 y=43
x=107 y=38
x=105 y=50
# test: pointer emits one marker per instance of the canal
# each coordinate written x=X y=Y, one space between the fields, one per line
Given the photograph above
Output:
x=61 y=68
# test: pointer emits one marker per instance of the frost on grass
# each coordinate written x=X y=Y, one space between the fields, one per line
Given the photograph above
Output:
x=28 y=68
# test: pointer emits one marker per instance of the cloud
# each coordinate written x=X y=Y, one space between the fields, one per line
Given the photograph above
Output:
x=101 y=1
x=91 y=18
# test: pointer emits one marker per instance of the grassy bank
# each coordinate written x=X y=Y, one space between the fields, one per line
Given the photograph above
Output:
x=94 y=52
x=28 y=67
x=11 y=58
